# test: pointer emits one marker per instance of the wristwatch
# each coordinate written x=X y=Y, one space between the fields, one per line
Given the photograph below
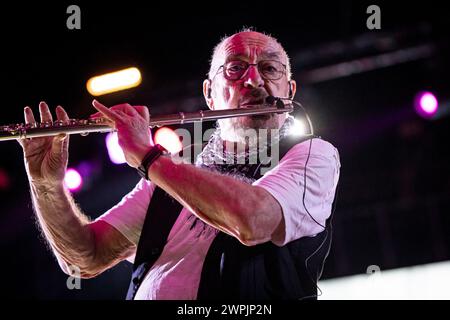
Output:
x=154 y=153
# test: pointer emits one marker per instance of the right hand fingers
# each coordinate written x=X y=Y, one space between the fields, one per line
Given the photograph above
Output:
x=45 y=115
x=44 y=112
x=29 y=117
x=61 y=114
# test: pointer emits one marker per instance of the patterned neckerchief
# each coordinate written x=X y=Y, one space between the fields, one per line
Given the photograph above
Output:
x=215 y=156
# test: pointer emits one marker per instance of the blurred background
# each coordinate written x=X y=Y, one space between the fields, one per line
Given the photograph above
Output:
x=380 y=96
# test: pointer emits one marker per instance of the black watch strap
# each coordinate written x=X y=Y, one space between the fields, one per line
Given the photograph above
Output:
x=153 y=154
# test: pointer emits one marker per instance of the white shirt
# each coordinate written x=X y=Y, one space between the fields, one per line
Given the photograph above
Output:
x=176 y=273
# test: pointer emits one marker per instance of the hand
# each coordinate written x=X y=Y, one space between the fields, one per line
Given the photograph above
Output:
x=132 y=124
x=46 y=158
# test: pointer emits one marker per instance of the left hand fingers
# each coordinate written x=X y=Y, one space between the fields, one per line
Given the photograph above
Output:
x=132 y=111
x=96 y=115
x=106 y=112
x=126 y=109
x=143 y=111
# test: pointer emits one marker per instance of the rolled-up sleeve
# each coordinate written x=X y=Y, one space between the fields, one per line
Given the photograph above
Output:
x=129 y=214
x=286 y=183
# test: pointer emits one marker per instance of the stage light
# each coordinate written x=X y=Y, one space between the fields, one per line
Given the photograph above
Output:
x=298 y=129
x=115 y=152
x=114 y=81
x=73 y=179
x=421 y=282
x=168 y=139
x=426 y=104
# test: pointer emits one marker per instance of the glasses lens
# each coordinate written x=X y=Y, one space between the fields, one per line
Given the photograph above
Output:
x=271 y=69
x=234 y=70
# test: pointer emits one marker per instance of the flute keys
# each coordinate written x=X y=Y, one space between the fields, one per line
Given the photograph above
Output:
x=46 y=124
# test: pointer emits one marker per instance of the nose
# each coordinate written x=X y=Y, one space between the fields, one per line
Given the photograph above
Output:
x=253 y=79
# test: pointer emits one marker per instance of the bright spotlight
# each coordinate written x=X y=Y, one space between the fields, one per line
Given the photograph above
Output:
x=114 y=81
x=73 y=180
x=298 y=128
x=168 y=139
x=115 y=152
x=426 y=104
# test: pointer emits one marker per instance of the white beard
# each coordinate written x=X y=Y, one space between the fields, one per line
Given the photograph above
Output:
x=247 y=131
x=224 y=147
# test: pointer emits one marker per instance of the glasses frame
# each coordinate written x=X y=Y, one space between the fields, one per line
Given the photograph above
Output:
x=221 y=69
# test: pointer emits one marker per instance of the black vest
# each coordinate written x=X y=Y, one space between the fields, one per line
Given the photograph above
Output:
x=232 y=270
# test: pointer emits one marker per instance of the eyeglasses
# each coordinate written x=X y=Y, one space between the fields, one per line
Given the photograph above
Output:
x=269 y=69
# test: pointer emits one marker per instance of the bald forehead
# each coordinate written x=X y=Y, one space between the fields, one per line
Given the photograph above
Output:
x=247 y=44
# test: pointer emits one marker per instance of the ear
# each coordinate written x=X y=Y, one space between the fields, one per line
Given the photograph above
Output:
x=292 y=88
x=207 y=89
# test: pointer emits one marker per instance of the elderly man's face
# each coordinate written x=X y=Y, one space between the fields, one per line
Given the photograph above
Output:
x=253 y=87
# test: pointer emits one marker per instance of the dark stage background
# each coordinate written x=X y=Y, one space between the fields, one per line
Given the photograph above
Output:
x=393 y=203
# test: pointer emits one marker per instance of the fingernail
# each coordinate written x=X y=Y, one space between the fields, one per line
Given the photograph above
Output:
x=94 y=101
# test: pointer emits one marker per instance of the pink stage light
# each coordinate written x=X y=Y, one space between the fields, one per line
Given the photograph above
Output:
x=426 y=104
x=169 y=139
x=115 y=152
x=73 y=179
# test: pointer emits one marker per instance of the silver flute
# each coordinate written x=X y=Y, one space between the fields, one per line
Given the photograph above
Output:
x=98 y=125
